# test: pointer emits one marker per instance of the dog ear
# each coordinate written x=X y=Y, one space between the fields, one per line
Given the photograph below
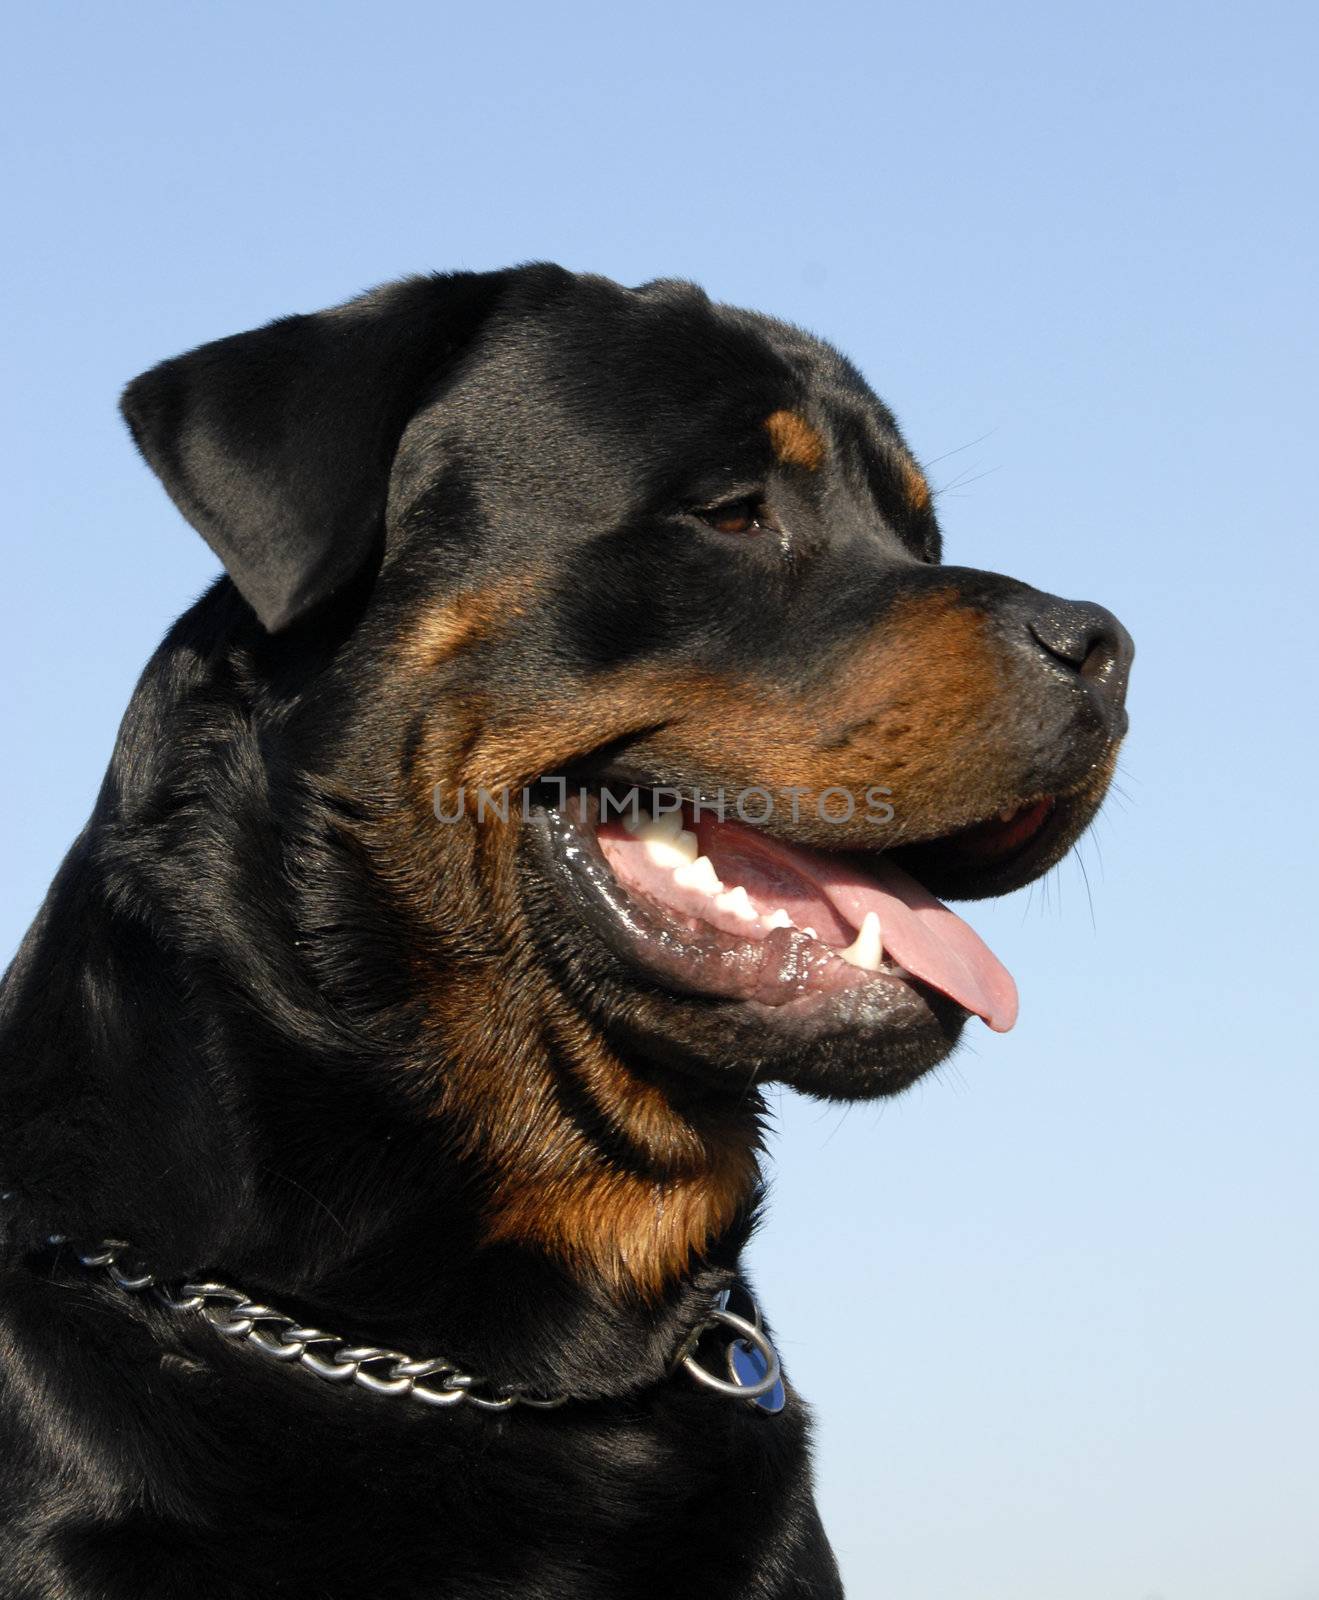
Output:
x=276 y=445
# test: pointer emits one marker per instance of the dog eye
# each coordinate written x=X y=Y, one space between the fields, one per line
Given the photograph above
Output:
x=747 y=515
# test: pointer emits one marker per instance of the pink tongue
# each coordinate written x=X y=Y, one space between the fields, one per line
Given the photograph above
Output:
x=923 y=935
x=919 y=932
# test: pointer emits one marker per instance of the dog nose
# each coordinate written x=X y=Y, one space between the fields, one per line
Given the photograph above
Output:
x=1089 y=641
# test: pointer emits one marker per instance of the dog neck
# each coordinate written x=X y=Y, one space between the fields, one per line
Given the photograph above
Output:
x=305 y=1184
x=418 y=1169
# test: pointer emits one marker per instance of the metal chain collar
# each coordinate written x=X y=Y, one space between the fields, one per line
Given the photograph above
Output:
x=431 y=1380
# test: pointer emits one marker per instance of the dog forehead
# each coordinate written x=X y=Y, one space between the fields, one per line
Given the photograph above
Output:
x=597 y=369
x=584 y=405
x=609 y=358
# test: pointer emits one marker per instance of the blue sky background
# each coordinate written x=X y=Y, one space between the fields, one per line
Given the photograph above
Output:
x=1056 y=1307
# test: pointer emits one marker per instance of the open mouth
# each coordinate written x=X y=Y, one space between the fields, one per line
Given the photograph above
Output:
x=711 y=907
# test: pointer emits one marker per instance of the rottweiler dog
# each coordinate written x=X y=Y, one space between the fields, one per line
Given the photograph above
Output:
x=577 y=742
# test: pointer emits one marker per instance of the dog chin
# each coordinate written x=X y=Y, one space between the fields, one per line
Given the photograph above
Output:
x=856 y=1051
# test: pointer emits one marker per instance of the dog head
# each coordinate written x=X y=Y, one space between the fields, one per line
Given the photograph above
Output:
x=610 y=631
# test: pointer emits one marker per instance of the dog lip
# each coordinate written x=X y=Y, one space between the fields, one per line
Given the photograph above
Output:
x=998 y=840
x=956 y=873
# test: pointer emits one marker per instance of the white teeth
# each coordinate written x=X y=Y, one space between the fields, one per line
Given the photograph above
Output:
x=738 y=901
x=810 y=933
x=699 y=874
x=680 y=851
x=668 y=825
x=779 y=919
x=867 y=949
x=664 y=854
x=641 y=825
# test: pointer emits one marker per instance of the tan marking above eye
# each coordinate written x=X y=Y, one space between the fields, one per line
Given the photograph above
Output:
x=915 y=486
x=796 y=443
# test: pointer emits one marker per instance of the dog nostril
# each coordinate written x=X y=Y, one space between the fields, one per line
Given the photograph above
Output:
x=1098 y=659
x=1086 y=638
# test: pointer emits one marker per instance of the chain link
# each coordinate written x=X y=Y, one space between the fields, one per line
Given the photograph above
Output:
x=432 y=1381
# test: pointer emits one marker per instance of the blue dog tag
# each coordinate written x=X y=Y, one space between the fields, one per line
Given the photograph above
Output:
x=747 y=1366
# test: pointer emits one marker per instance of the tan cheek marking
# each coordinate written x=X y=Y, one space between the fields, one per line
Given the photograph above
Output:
x=469 y=617
x=523 y=744
x=796 y=443
x=932 y=703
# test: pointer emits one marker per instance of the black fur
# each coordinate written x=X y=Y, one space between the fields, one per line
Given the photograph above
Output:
x=215 y=1041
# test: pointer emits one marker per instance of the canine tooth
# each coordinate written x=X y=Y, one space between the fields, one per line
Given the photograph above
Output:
x=867 y=949
x=738 y=901
x=1007 y=816
x=810 y=933
x=699 y=874
x=778 y=919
